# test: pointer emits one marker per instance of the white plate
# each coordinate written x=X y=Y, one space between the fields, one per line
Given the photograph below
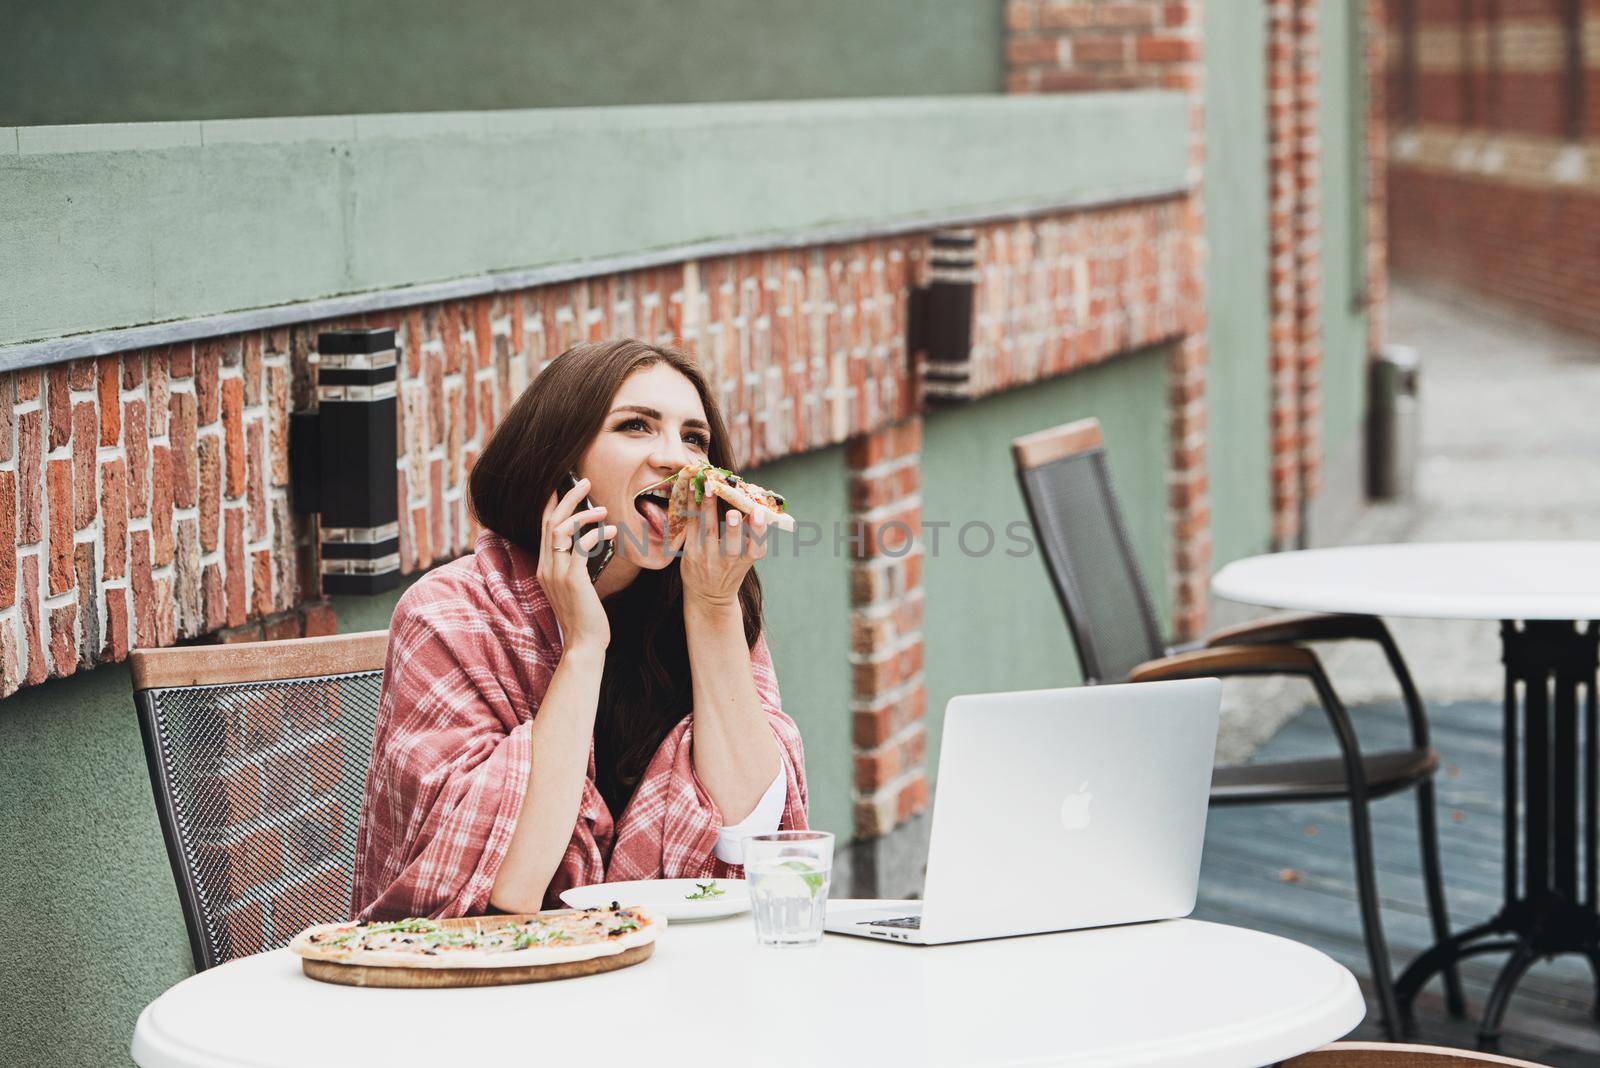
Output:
x=666 y=896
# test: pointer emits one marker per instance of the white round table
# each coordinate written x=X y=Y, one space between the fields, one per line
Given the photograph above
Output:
x=1179 y=992
x=1547 y=597
x=1438 y=580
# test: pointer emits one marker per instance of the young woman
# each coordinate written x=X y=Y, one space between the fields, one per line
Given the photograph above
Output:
x=539 y=730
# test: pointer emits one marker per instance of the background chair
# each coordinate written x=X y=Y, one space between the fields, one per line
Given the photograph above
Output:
x=1387 y=1055
x=1066 y=483
x=258 y=757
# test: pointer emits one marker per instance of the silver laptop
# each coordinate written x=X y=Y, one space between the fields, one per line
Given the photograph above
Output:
x=1060 y=809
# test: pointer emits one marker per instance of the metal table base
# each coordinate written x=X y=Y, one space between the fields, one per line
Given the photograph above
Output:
x=1552 y=819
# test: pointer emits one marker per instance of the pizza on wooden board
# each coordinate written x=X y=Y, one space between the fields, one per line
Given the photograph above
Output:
x=689 y=487
x=560 y=936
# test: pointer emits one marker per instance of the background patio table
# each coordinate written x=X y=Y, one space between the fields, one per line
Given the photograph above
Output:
x=1540 y=591
x=1178 y=992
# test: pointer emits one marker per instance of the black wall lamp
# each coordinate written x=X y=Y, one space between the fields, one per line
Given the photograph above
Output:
x=342 y=461
x=940 y=320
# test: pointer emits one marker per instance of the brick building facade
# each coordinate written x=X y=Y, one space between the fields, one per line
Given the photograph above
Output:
x=1495 y=183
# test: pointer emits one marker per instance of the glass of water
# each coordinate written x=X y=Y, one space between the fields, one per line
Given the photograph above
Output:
x=788 y=872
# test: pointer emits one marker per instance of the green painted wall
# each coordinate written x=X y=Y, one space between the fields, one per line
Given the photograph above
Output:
x=83 y=851
x=1344 y=323
x=993 y=621
x=151 y=60
x=114 y=226
x=806 y=590
x=93 y=928
x=1237 y=306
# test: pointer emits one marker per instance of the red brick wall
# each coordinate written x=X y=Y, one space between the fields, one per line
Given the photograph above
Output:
x=1377 y=83
x=888 y=697
x=1493 y=176
x=1294 y=242
x=1057 y=294
x=805 y=348
x=1069 y=46
x=148 y=492
x=1087 y=45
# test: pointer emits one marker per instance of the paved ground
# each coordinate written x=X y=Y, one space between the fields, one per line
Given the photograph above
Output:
x=1510 y=450
x=1289 y=870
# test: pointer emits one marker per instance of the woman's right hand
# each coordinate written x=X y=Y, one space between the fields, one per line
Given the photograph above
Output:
x=564 y=571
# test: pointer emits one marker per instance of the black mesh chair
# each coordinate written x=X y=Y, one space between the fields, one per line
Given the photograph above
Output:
x=1066 y=483
x=258 y=757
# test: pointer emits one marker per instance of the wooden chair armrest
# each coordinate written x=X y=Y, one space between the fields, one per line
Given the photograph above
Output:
x=267 y=661
x=1229 y=660
x=1280 y=659
x=1392 y=1055
x=1316 y=627
x=1301 y=627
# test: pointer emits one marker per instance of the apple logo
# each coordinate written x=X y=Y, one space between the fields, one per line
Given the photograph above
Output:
x=1075 y=809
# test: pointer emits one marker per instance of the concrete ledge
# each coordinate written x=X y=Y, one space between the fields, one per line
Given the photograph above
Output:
x=112 y=227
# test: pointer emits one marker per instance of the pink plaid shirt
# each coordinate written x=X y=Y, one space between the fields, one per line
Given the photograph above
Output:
x=472 y=649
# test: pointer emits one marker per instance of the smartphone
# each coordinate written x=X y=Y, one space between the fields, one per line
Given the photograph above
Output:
x=600 y=556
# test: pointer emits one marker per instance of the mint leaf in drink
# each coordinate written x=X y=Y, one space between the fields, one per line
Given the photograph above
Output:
x=812 y=878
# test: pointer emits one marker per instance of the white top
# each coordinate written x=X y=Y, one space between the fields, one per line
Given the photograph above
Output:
x=1179 y=992
x=1444 y=580
x=763 y=819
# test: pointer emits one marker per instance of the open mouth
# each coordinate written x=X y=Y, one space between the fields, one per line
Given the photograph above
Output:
x=651 y=502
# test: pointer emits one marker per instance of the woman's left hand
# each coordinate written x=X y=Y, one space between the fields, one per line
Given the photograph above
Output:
x=716 y=555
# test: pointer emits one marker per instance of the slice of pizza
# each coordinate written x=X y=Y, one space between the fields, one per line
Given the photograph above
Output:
x=553 y=937
x=690 y=486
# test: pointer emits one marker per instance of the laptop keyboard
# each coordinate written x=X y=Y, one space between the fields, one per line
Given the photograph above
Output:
x=910 y=923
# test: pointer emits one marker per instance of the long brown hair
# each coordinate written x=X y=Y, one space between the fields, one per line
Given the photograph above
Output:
x=646 y=688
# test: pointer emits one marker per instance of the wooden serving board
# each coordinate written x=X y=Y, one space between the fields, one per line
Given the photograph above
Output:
x=436 y=978
x=321 y=964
